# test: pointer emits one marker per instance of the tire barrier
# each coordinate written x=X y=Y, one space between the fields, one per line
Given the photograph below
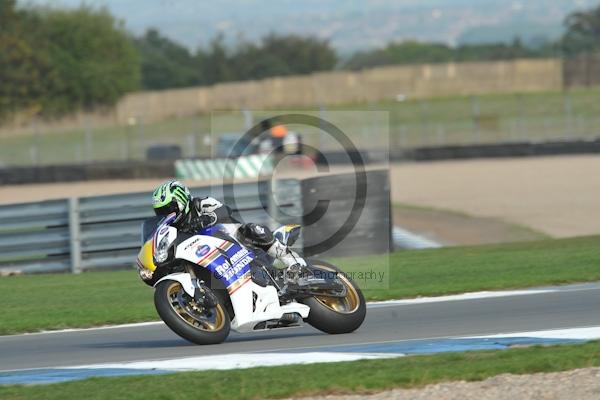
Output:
x=516 y=149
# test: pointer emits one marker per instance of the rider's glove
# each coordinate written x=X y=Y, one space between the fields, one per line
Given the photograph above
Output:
x=205 y=208
x=207 y=205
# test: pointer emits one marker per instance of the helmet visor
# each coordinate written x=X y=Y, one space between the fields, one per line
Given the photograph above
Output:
x=166 y=209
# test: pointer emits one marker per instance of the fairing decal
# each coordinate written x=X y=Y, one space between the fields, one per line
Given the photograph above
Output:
x=145 y=257
x=227 y=261
x=231 y=289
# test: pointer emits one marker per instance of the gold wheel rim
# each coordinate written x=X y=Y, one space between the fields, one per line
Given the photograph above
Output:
x=342 y=305
x=173 y=291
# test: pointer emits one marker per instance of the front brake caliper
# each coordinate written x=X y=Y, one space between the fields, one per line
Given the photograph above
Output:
x=203 y=295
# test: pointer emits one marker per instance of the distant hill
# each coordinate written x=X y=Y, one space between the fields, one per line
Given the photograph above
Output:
x=350 y=24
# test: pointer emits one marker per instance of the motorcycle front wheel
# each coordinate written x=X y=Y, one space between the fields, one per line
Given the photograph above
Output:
x=188 y=319
x=335 y=315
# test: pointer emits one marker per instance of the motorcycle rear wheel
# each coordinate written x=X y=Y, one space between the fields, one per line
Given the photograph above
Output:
x=188 y=319
x=334 y=314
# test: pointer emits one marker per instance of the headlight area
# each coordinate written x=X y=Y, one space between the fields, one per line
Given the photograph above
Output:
x=144 y=273
x=161 y=252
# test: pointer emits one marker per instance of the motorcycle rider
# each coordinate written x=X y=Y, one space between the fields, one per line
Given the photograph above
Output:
x=195 y=213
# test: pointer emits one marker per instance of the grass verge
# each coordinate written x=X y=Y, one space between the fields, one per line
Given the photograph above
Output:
x=298 y=380
x=474 y=268
x=32 y=303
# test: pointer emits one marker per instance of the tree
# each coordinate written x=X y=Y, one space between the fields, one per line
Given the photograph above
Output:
x=302 y=55
x=165 y=63
x=93 y=59
x=216 y=65
x=496 y=51
x=21 y=68
x=8 y=15
x=57 y=61
x=411 y=52
x=582 y=32
x=408 y=52
x=280 y=56
x=21 y=86
x=253 y=62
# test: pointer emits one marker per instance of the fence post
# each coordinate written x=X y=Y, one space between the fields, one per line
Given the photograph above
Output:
x=75 y=235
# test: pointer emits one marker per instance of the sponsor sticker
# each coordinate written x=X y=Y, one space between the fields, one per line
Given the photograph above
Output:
x=202 y=250
x=163 y=230
x=239 y=262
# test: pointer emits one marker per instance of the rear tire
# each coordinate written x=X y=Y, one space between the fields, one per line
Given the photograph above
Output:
x=334 y=315
x=199 y=327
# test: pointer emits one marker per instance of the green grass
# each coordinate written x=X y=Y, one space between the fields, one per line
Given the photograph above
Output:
x=447 y=120
x=299 y=380
x=31 y=303
x=57 y=301
x=489 y=267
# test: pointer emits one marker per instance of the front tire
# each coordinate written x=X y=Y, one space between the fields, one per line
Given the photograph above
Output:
x=188 y=319
x=333 y=314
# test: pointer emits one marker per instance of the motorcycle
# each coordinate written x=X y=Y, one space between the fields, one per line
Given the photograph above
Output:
x=209 y=283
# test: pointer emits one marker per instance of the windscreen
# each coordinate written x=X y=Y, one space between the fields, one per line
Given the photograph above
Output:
x=149 y=226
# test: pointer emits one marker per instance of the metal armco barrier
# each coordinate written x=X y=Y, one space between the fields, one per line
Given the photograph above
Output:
x=35 y=237
x=103 y=232
x=96 y=233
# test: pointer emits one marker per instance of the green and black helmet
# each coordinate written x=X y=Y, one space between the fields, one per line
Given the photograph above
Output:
x=171 y=197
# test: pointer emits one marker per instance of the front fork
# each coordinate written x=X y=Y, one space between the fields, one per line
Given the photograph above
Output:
x=202 y=294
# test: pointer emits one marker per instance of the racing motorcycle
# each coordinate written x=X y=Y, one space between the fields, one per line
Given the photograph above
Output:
x=209 y=282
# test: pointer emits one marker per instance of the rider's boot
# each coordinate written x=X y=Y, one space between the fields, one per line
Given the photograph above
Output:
x=293 y=262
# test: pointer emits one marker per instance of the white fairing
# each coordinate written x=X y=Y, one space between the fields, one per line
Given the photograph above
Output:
x=199 y=250
x=188 y=249
x=267 y=306
x=184 y=278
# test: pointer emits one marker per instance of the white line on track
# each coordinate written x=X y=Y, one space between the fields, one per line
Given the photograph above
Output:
x=486 y=295
x=458 y=297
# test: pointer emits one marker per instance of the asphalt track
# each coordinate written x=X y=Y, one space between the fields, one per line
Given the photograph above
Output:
x=396 y=322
